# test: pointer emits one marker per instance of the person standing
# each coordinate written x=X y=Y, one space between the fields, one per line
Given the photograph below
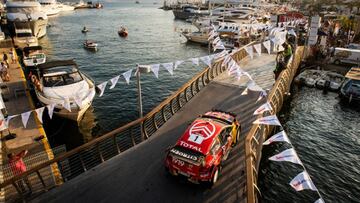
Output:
x=5 y=58
x=13 y=55
x=18 y=167
x=4 y=72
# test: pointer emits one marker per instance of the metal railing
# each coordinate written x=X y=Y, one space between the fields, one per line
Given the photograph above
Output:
x=100 y=149
x=258 y=133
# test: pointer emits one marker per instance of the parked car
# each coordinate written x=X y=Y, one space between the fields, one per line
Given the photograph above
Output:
x=199 y=153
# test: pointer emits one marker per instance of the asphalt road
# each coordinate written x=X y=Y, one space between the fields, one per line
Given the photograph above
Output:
x=138 y=174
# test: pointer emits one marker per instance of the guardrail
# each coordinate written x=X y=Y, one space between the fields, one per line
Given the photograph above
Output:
x=258 y=133
x=98 y=150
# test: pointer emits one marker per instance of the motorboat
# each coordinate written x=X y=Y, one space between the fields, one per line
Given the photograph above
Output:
x=91 y=45
x=123 y=32
x=200 y=36
x=50 y=7
x=330 y=80
x=137 y=2
x=187 y=11
x=62 y=83
x=33 y=56
x=309 y=77
x=350 y=89
x=29 y=11
x=80 y=5
x=84 y=30
x=24 y=37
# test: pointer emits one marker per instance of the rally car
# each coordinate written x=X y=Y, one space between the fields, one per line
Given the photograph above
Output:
x=199 y=152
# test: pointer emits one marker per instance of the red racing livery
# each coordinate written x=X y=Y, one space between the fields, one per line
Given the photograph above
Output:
x=199 y=152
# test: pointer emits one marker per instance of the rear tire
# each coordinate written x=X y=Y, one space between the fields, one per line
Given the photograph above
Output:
x=215 y=177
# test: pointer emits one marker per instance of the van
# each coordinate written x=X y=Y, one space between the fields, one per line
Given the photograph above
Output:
x=343 y=55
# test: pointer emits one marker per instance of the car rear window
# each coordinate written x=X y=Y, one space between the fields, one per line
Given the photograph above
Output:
x=186 y=153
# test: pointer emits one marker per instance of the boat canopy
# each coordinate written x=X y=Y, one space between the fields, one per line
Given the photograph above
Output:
x=53 y=64
x=27 y=50
x=354 y=74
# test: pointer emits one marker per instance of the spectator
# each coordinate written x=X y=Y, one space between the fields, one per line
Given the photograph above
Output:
x=13 y=55
x=4 y=72
x=5 y=58
x=18 y=167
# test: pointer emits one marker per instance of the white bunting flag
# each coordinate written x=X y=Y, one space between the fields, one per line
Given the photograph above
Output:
x=50 y=108
x=250 y=51
x=114 y=81
x=216 y=40
x=278 y=137
x=177 y=63
x=267 y=45
x=262 y=94
x=66 y=103
x=226 y=60
x=78 y=101
x=258 y=48
x=245 y=92
x=169 y=67
x=7 y=120
x=101 y=87
x=292 y=32
x=212 y=36
x=288 y=155
x=206 y=60
x=195 y=61
x=263 y=108
x=155 y=69
x=320 y=200
x=39 y=113
x=127 y=76
x=302 y=181
x=25 y=118
x=268 y=120
x=219 y=47
x=221 y=55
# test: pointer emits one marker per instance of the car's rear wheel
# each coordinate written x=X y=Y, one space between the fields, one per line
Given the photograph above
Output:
x=215 y=176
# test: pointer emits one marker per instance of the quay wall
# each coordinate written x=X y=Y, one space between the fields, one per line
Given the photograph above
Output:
x=259 y=133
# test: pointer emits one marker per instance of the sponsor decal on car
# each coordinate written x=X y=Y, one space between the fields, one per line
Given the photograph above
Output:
x=182 y=154
x=190 y=146
x=201 y=131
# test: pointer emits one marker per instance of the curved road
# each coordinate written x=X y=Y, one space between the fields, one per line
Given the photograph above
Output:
x=138 y=174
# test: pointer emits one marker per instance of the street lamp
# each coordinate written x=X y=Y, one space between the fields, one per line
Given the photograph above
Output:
x=141 y=69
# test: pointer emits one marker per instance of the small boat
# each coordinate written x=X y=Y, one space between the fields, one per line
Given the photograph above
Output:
x=137 y=2
x=350 y=89
x=309 y=77
x=91 y=45
x=33 y=56
x=200 y=37
x=63 y=84
x=123 y=32
x=84 y=30
x=330 y=80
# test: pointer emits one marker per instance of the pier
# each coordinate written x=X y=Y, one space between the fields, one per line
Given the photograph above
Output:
x=17 y=99
x=127 y=163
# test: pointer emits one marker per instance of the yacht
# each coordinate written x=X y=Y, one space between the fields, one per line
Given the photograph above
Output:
x=186 y=11
x=27 y=11
x=23 y=36
x=62 y=83
x=65 y=7
x=33 y=56
x=200 y=37
x=50 y=7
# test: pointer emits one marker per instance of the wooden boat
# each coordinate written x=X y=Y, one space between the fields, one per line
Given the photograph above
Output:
x=123 y=32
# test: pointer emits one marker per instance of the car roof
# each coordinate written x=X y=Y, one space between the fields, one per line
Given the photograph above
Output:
x=200 y=135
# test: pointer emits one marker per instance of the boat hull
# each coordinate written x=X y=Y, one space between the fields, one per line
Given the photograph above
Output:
x=196 y=38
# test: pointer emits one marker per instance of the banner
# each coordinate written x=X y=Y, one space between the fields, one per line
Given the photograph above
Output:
x=206 y=60
x=267 y=45
x=258 y=48
x=25 y=117
x=278 y=137
x=127 y=76
x=288 y=155
x=113 y=81
x=101 y=87
x=169 y=67
x=50 y=108
x=39 y=113
x=302 y=181
x=250 y=51
x=155 y=69
x=263 y=108
x=66 y=103
x=177 y=63
x=268 y=120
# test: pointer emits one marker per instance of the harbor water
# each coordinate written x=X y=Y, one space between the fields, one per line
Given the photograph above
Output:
x=325 y=134
x=152 y=39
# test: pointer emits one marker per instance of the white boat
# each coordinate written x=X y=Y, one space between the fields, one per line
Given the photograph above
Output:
x=90 y=44
x=309 y=77
x=33 y=56
x=330 y=80
x=24 y=36
x=50 y=7
x=63 y=84
x=27 y=11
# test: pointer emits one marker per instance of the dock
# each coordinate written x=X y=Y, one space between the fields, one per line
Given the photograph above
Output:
x=17 y=100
